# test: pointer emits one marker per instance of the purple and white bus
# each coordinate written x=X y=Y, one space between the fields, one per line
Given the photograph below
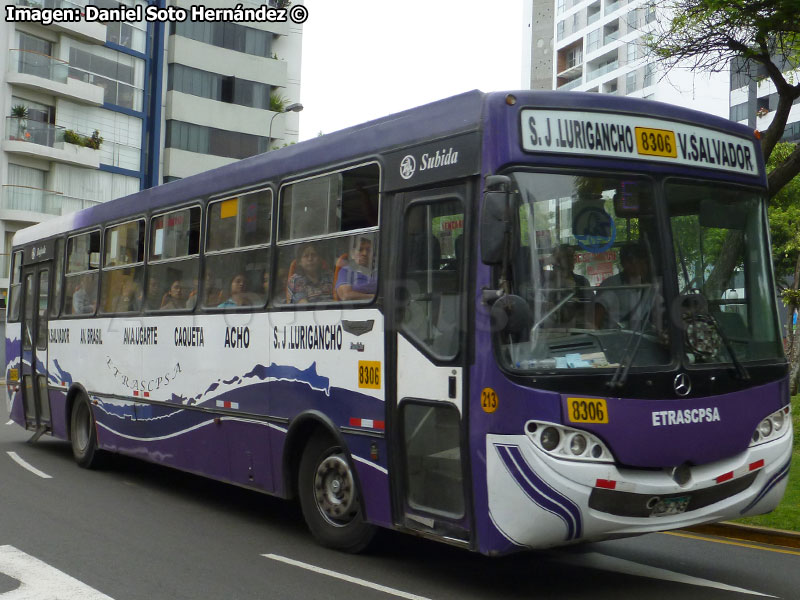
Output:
x=497 y=320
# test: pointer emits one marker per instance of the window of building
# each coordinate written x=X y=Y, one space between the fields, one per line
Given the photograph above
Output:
x=739 y=112
x=223 y=88
x=83 y=262
x=649 y=70
x=123 y=268
x=227 y=35
x=630 y=82
x=119 y=74
x=173 y=260
x=327 y=237
x=593 y=40
x=35 y=56
x=238 y=234
x=560 y=28
x=217 y=142
x=632 y=51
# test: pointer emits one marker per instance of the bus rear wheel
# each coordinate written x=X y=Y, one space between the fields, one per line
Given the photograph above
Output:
x=84 y=435
x=330 y=499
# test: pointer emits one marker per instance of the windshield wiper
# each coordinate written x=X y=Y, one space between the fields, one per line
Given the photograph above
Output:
x=741 y=370
x=621 y=374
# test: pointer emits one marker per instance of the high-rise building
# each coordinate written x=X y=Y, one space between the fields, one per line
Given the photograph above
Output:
x=97 y=110
x=599 y=47
x=224 y=80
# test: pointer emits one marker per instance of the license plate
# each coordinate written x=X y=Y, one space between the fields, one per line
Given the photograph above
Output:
x=587 y=410
x=670 y=506
x=656 y=142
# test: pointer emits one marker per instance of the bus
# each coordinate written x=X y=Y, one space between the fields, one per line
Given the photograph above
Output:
x=498 y=320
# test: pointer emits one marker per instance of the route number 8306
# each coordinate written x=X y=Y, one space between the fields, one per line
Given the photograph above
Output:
x=369 y=374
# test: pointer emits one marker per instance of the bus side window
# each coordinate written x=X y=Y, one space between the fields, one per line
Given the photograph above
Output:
x=432 y=275
x=337 y=214
x=238 y=234
x=15 y=287
x=123 y=268
x=174 y=263
x=80 y=282
x=58 y=279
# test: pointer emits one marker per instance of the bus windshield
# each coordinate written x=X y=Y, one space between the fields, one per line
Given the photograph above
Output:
x=591 y=268
x=722 y=256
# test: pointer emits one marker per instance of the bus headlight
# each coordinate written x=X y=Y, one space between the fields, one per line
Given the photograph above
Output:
x=549 y=438
x=567 y=443
x=771 y=428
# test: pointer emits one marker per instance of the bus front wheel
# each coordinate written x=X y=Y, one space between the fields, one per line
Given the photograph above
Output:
x=84 y=435
x=329 y=497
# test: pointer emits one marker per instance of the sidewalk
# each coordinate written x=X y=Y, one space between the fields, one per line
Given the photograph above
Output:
x=762 y=535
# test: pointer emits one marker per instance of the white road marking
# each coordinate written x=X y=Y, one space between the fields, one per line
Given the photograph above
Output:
x=603 y=562
x=39 y=580
x=355 y=580
x=16 y=458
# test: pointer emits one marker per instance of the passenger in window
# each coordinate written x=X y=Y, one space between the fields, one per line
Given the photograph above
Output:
x=569 y=291
x=312 y=281
x=238 y=295
x=191 y=296
x=621 y=299
x=174 y=299
x=357 y=280
x=129 y=298
x=83 y=298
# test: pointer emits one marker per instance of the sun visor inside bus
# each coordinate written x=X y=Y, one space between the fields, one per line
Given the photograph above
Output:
x=722 y=215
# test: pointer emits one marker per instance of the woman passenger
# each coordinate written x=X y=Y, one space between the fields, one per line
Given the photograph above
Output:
x=312 y=280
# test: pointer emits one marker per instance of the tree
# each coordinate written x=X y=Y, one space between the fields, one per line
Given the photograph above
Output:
x=762 y=36
x=784 y=216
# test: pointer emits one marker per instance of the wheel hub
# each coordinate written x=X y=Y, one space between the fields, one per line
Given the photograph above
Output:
x=334 y=490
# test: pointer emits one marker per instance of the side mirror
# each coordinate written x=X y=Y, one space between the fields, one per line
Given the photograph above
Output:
x=495 y=221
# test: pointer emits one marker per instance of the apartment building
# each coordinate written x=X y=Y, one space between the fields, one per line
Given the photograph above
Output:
x=598 y=46
x=224 y=83
x=93 y=111
x=74 y=100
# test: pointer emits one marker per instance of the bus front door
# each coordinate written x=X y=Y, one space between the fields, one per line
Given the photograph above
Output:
x=428 y=309
x=36 y=401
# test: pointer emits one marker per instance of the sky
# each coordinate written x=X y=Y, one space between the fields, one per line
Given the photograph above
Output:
x=364 y=59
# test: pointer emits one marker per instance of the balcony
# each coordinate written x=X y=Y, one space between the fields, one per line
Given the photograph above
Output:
x=45 y=141
x=613 y=6
x=111 y=91
x=570 y=85
x=91 y=32
x=24 y=199
x=50 y=75
x=602 y=70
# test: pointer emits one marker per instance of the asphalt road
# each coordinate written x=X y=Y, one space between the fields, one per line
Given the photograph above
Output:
x=135 y=531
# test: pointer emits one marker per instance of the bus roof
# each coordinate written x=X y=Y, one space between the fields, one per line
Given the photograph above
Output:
x=458 y=114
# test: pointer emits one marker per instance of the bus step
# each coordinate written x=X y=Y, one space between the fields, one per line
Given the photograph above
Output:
x=39 y=433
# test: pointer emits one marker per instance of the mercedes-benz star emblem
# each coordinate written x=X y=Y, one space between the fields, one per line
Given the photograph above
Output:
x=682 y=384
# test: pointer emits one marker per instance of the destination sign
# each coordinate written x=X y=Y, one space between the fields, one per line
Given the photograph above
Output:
x=638 y=138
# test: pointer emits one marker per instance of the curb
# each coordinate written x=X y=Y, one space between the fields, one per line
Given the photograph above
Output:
x=752 y=533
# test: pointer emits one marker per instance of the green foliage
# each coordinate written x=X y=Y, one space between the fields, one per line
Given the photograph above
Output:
x=20 y=111
x=277 y=103
x=92 y=141
x=784 y=216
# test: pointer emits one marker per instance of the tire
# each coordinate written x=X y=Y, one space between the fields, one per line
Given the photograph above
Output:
x=330 y=498
x=83 y=435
